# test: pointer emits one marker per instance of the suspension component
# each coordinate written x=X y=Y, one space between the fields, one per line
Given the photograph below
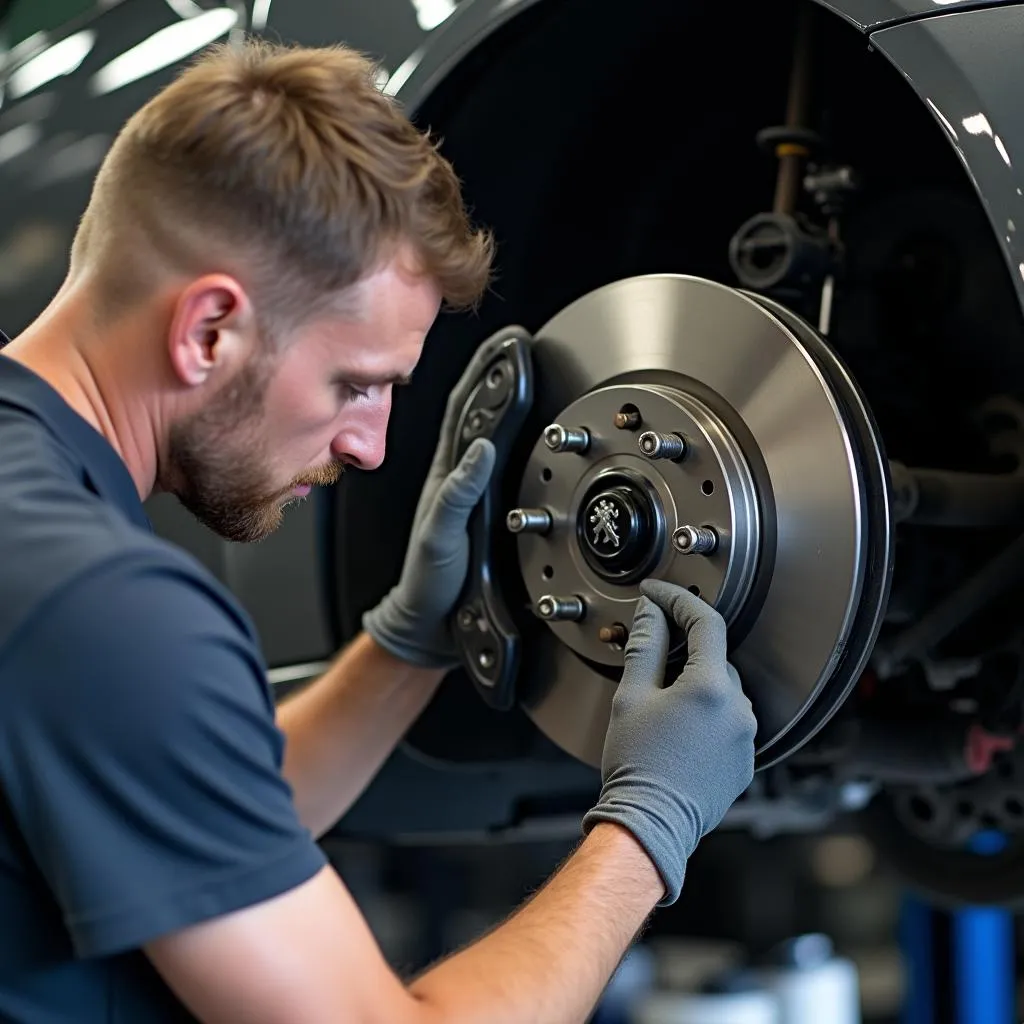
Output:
x=528 y=520
x=560 y=609
x=661 y=446
x=695 y=540
x=561 y=439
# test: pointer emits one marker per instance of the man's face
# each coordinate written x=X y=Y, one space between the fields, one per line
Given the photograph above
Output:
x=292 y=420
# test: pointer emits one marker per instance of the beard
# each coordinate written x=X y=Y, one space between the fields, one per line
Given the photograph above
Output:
x=217 y=463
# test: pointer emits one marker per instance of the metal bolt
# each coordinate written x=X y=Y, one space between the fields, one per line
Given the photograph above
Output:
x=613 y=634
x=467 y=618
x=661 y=446
x=528 y=520
x=627 y=419
x=485 y=659
x=695 y=540
x=560 y=609
x=559 y=439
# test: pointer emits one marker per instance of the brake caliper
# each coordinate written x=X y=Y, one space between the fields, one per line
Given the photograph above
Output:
x=486 y=636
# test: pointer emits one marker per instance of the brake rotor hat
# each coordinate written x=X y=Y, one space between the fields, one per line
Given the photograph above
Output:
x=703 y=436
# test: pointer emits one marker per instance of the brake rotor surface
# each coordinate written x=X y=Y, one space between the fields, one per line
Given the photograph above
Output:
x=773 y=469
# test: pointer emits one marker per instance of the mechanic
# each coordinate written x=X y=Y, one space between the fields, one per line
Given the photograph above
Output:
x=266 y=246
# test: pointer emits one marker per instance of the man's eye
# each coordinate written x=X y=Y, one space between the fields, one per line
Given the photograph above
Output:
x=350 y=391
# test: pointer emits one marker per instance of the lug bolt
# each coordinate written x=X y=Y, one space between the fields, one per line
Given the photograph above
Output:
x=695 y=540
x=528 y=520
x=614 y=634
x=466 y=618
x=661 y=446
x=485 y=659
x=559 y=439
x=627 y=419
x=560 y=609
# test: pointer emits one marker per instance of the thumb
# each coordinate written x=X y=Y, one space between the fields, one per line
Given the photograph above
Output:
x=703 y=625
x=646 y=650
x=462 y=488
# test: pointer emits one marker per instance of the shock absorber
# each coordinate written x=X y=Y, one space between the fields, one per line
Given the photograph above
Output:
x=783 y=252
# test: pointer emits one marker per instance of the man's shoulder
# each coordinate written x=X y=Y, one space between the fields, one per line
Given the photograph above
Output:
x=55 y=565
x=145 y=630
x=52 y=528
x=69 y=557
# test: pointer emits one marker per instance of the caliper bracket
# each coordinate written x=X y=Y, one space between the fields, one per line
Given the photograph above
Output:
x=485 y=634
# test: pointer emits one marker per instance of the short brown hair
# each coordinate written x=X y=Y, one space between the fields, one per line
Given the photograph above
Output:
x=287 y=166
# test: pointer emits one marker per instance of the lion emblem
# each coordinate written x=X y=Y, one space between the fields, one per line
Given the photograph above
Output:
x=602 y=519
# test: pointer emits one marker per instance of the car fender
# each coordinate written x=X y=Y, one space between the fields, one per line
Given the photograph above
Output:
x=965 y=67
x=962 y=59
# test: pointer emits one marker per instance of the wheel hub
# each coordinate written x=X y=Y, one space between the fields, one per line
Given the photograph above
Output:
x=615 y=508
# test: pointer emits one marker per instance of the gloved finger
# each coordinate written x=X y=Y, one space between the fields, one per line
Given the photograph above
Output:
x=704 y=627
x=646 y=653
x=464 y=388
x=734 y=676
x=461 y=490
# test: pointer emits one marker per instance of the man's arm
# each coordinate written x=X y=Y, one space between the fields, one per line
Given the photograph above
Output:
x=551 y=961
x=675 y=759
x=308 y=957
x=341 y=729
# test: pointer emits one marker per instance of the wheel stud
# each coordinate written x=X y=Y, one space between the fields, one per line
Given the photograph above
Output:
x=560 y=609
x=528 y=520
x=560 y=439
x=695 y=540
x=661 y=446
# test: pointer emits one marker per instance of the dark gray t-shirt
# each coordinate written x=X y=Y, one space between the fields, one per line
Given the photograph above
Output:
x=140 y=764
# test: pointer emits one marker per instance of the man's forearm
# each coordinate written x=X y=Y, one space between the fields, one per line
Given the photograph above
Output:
x=550 y=962
x=342 y=728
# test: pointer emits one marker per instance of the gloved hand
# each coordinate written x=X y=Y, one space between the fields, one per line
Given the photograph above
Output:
x=412 y=619
x=675 y=757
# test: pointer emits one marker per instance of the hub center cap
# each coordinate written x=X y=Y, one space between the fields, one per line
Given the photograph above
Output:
x=616 y=527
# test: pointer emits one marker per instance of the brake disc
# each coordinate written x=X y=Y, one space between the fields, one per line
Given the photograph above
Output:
x=707 y=437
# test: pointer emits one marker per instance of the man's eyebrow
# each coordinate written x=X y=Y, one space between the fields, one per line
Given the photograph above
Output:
x=370 y=380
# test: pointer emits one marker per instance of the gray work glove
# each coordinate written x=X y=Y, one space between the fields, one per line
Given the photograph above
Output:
x=412 y=621
x=676 y=757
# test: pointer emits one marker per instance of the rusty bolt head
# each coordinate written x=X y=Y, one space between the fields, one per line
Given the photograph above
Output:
x=614 y=634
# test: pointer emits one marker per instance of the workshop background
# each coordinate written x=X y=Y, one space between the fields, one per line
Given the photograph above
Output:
x=813 y=925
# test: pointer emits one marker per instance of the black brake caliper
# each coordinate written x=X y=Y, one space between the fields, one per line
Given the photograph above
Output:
x=485 y=634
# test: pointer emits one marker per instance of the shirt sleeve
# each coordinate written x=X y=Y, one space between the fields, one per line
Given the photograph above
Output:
x=144 y=764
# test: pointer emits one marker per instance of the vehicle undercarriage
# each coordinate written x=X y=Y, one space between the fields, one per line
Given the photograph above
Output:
x=758 y=250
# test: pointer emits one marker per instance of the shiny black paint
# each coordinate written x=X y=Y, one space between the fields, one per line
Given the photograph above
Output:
x=871 y=14
x=966 y=68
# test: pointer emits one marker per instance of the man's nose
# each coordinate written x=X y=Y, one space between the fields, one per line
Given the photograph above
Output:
x=363 y=449
x=362 y=441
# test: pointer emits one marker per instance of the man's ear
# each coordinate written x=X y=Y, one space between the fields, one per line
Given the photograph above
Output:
x=212 y=328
